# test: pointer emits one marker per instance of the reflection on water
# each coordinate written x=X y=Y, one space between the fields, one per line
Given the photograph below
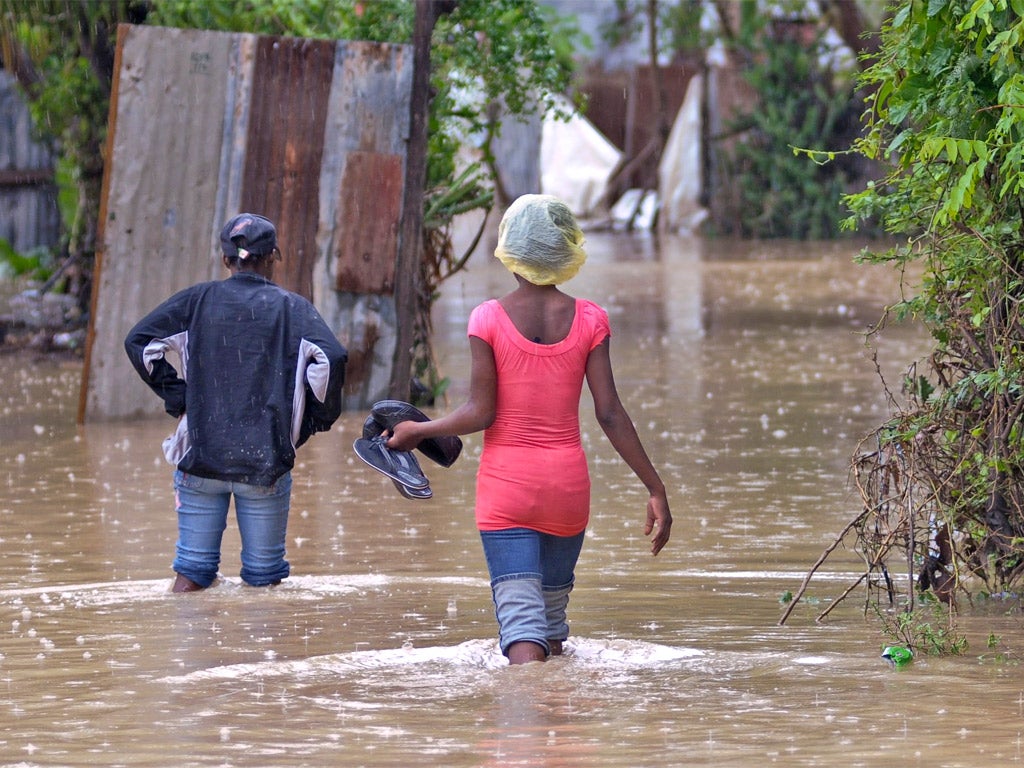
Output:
x=745 y=370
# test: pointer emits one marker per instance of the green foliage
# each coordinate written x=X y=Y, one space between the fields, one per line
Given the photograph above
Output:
x=946 y=114
x=307 y=18
x=36 y=264
x=73 y=105
x=928 y=630
x=66 y=175
x=799 y=102
x=945 y=118
x=380 y=20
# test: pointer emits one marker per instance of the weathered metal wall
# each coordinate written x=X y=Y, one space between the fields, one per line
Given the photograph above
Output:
x=28 y=194
x=206 y=124
x=624 y=107
x=361 y=183
x=288 y=109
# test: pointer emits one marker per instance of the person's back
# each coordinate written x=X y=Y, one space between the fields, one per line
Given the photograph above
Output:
x=533 y=471
x=260 y=373
x=244 y=365
x=539 y=384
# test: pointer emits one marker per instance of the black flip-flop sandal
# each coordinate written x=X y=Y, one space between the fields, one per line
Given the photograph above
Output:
x=371 y=430
x=386 y=413
x=416 y=494
x=400 y=466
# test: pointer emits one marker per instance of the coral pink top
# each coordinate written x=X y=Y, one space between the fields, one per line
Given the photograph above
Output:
x=533 y=472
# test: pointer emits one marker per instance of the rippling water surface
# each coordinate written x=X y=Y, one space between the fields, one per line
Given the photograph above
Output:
x=744 y=368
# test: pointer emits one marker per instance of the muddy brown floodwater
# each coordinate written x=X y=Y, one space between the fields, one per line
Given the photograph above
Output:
x=744 y=368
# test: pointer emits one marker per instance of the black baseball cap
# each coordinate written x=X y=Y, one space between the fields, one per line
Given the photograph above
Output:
x=248 y=233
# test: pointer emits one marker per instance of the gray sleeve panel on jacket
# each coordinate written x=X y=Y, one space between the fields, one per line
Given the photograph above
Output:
x=157 y=350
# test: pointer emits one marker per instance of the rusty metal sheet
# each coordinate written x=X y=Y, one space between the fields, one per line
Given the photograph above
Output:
x=157 y=225
x=369 y=115
x=285 y=148
x=206 y=124
x=367 y=235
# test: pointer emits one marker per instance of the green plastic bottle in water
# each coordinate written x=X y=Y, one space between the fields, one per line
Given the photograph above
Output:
x=898 y=655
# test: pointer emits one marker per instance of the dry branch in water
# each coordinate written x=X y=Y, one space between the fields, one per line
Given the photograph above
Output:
x=942 y=481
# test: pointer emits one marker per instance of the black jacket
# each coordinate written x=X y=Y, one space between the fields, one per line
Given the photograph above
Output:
x=260 y=373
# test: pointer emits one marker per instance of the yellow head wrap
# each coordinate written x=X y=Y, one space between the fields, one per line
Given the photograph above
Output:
x=538 y=238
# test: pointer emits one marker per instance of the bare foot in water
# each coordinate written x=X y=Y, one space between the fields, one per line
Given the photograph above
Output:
x=185 y=584
x=524 y=652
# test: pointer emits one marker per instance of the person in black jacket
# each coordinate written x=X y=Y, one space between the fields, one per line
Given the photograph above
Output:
x=261 y=372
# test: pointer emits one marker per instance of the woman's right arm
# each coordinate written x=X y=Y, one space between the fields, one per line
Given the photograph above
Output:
x=475 y=414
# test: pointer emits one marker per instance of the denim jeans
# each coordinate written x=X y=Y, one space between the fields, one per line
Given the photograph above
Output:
x=262 y=514
x=532 y=574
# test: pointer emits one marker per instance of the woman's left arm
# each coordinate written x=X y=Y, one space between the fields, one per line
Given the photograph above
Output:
x=615 y=422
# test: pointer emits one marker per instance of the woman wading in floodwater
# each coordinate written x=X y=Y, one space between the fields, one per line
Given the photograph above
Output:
x=531 y=351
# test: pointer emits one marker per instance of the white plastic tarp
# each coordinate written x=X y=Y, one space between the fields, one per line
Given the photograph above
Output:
x=576 y=162
x=679 y=173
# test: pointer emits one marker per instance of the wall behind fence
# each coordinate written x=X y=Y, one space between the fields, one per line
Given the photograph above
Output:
x=28 y=193
x=203 y=125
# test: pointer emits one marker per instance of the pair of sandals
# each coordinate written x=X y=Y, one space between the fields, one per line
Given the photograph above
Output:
x=402 y=467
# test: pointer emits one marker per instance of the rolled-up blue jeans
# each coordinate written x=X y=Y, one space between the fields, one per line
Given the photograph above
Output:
x=532 y=574
x=262 y=514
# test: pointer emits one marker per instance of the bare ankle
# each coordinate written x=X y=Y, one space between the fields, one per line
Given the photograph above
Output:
x=525 y=651
x=185 y=584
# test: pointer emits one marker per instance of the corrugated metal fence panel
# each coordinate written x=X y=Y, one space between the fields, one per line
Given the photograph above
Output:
x=29 y=216
x=368 y=124
x=206 y=124
x=372 y=222
x=158 y=230
x=285 y=148
x=28 y=195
